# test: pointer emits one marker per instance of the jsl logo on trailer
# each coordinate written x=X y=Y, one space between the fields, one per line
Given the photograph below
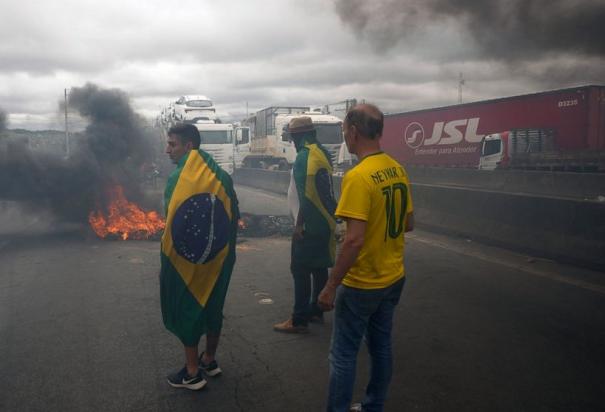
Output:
x=444 y=133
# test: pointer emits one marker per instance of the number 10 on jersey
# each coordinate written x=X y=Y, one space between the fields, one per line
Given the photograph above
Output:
x=396 y=197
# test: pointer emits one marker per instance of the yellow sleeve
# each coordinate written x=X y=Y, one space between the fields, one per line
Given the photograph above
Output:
x=410 y=205
x=354 y=197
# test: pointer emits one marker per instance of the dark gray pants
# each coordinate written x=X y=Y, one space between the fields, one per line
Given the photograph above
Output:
x=308 y=283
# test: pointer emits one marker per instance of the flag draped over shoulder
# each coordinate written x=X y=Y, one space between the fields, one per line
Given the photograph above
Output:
x=312 y=175
x=198 y=246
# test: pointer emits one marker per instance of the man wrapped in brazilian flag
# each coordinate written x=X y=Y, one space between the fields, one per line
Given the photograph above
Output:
x=313 y=240
x=198 y=253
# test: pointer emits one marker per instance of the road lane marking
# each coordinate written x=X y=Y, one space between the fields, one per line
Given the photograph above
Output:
x=245 y=248
x=532 y=271
x=478 y=255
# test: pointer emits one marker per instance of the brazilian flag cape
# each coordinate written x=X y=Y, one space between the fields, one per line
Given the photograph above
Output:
x=312 y=174
x=198 y=247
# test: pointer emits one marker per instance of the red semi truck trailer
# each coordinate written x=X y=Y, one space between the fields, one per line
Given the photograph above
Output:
x=454 y=136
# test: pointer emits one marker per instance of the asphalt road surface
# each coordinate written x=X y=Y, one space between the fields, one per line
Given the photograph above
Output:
x=478 y=328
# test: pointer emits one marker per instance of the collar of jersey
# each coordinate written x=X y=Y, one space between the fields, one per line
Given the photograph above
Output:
x=370 y=155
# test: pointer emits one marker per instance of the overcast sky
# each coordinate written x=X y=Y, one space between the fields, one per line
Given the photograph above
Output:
x=402 y=55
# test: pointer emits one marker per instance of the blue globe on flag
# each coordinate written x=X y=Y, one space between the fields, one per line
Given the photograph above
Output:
x=200 y=228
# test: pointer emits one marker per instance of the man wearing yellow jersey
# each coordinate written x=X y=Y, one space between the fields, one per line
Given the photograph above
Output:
x=367 y=280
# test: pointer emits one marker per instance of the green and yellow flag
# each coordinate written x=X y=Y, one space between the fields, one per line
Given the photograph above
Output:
x=198 y=246
x=312 y=174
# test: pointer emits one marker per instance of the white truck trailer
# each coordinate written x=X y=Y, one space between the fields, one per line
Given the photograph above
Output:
x=269 y=147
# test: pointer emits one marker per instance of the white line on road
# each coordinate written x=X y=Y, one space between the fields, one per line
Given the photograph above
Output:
x=478 y=255
x=532 y=271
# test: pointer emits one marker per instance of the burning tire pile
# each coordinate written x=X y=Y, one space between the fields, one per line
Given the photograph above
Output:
x=265 y=225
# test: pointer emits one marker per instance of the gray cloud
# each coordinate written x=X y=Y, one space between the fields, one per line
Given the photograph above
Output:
x=402 y=55
x=89 y=38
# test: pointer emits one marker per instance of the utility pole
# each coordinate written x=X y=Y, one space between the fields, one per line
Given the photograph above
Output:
x=66 y=129
x=460 y=84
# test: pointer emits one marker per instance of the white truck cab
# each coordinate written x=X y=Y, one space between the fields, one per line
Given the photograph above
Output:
x=500 y=150
x=242 y=145
x=218 y=141
x=492 y=151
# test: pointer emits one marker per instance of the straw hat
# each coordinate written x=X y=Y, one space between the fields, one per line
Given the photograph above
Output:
x=300 y=125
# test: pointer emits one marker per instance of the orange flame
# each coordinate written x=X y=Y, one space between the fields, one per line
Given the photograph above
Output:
x=125 y=219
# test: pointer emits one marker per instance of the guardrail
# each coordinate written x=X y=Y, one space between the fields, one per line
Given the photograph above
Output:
x=565 y=229
x=558 y=184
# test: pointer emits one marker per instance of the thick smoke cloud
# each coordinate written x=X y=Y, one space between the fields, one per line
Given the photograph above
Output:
x=499 y=29
x=111 y=151
x=114 y=139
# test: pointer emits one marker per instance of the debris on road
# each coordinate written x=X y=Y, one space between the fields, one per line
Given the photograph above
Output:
x=265 y=225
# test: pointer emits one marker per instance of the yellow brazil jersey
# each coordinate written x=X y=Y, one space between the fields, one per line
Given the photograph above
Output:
x=377 y=191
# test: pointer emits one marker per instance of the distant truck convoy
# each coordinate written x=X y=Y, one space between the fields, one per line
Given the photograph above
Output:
x=268 y=146
x=218 y=139
x=555 y=130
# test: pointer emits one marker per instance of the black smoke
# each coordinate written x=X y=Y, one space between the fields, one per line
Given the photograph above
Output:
x=115 y=132
x=112 y=150
x=498 y=29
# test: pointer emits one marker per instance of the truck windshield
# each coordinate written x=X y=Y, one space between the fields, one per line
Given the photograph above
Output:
x=199 y=103
x=329 y=133
x=491 y=147
x=216 y=136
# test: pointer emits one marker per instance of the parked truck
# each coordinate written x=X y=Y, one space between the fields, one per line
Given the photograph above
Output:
x=503 y=150
x=218 y=140
x=571 y=123
x=269 y=147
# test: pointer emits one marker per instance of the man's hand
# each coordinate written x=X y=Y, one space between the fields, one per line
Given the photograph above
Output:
x=346 y=258
x=298 y=233
x=326 y=298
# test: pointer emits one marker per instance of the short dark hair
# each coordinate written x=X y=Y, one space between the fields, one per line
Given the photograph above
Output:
x=367 y=119
x=186 y=133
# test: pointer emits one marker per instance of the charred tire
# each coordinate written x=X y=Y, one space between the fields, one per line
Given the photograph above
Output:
x=283 y=165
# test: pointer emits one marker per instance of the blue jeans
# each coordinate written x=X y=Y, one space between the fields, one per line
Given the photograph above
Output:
x=360 y=312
